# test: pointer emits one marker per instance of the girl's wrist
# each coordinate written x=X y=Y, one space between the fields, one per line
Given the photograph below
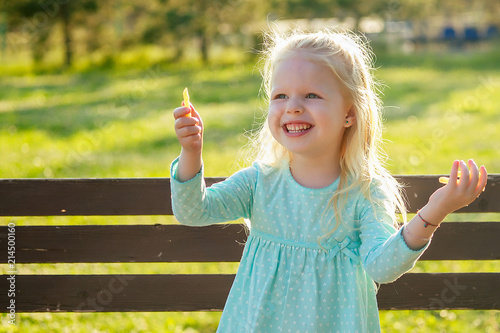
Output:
x=420 y=229
x=427 y=223
x=431 y=216
x=189 y=165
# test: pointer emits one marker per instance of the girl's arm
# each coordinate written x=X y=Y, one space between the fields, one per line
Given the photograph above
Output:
x=192 y=202
x=196 y=205
x=459 y=192
x=189 y=131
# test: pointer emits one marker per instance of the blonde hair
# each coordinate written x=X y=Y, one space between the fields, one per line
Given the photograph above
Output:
x=362 y=159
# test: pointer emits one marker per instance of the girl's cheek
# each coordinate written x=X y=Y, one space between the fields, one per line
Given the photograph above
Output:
x=273 y=116
x=273 y=122
x=275 y=109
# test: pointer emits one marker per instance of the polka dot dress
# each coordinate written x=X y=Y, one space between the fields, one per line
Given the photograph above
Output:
x=290 y=278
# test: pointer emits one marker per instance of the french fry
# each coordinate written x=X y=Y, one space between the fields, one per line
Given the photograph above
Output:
x=445 y=180
x=185 y=94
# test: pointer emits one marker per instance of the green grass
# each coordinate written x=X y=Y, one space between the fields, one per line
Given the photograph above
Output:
x=103 y=124
x=118 y=123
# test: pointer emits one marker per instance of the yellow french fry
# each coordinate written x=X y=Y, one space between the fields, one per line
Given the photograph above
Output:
x=185 y=94
x=445 y=180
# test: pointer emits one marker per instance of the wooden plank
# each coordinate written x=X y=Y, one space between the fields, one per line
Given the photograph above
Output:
x=126 y=243
x=151 y=196
x=110 y=293
x=218 y=243
x=465 y=241
x=432 y=291
x=46 y=197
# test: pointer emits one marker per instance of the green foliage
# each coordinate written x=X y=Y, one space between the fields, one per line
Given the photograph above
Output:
x=191 y=28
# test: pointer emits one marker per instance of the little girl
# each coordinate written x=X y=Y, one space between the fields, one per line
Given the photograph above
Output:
x=321 y=206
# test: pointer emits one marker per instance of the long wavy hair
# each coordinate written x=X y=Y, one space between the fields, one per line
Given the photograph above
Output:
x=362 y=159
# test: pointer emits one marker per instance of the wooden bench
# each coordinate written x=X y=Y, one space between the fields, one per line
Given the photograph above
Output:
x=177 y=243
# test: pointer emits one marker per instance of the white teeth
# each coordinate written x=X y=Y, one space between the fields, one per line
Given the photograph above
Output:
x=296 y=128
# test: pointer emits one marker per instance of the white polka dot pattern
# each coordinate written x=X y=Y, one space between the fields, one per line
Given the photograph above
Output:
x=287 y=280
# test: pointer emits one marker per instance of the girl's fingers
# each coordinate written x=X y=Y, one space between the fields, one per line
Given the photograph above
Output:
x=186 y=127
x=190 y=106
x=196 y=115
x=464 y=177
x=190 y=130
x=483 y=178
x=454 y=174
x=474 y=175
x=181 y=112
x=183 y=121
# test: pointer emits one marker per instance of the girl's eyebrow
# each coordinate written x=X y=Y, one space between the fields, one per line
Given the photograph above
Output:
x=276 y=89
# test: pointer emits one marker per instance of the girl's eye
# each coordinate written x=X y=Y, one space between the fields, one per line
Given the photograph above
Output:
x=312 y=95
x=280 y=96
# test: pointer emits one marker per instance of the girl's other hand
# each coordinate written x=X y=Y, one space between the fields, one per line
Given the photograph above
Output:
x=460 y=192
x=189 y=130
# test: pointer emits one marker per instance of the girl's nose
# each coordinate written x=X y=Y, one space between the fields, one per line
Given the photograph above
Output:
x=294 y=106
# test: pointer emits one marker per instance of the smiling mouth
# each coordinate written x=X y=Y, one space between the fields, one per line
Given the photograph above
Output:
x=297 y=128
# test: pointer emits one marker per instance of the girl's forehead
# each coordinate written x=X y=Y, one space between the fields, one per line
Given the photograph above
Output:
x=331 y=62
x=305 y=55
x=299 y=61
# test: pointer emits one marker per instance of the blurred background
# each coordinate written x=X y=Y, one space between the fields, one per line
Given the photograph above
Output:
x=90 y=32
x=87 y=89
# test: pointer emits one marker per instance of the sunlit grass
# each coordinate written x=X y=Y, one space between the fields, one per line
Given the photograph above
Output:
x=134 y=322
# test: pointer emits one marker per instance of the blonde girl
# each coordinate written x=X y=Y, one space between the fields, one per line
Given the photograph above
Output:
x=320 y=203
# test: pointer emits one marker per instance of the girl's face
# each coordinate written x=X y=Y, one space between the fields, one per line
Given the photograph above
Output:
x=308 y=112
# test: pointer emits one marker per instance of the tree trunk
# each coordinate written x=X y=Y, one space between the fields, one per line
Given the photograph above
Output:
x=204 y=46
x=66 y=18
x=39 y=45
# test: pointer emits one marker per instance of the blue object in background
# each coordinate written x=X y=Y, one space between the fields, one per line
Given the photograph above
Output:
x=471 y=34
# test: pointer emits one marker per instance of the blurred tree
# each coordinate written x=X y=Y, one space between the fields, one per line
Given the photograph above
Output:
x=357 y=9
x=192 y=25
x=310 y=9
x=34 y=21
x=31 y=26
x=307 y=9
x=177 y=22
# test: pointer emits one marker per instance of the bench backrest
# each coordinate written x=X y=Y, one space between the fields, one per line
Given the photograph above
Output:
x=219 y=243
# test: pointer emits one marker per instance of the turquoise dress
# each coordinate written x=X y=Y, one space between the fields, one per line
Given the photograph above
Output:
x=288 y=280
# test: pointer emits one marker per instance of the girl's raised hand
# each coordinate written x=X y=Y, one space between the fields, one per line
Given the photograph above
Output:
x=189 y=131
x=460 y=191
x=188 y=128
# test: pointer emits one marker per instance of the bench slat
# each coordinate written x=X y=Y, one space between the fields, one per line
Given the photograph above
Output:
x=111 y=293
x=151 y=196
x=53 y=197
x=126 y=243
x=117 y=293
x=428 y=291
x=219 y=243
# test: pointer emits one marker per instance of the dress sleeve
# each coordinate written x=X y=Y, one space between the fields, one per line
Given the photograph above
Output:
x=383 y=250
x=196 y=205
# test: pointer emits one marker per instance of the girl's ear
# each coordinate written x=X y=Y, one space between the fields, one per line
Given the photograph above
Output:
x=350 y=118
